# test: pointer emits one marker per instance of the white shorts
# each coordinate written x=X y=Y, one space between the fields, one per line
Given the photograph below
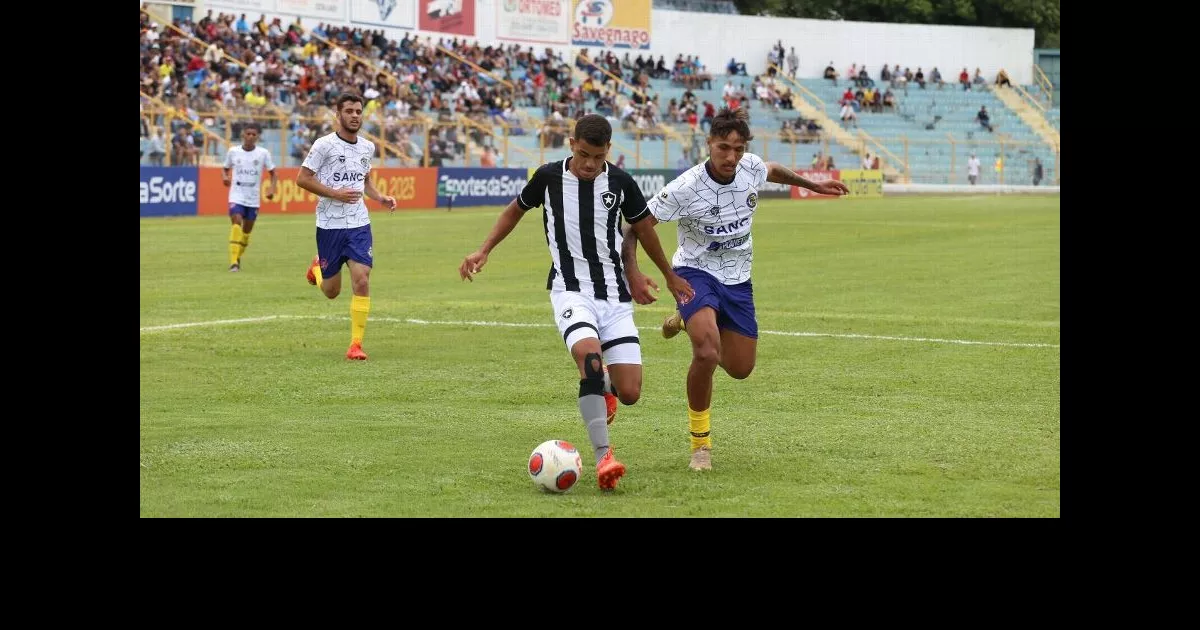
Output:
x=582 y=316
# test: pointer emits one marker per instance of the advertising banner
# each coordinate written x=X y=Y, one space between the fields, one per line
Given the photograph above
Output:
x=863 y=183
x=815 y=176
x=413 y=188
x=447 y=16
x=540 y=21
x=169 y=190
x=611 y=24
x=334 y=10
x=652 y=180
x=246 y=6
x=393 y=13
x=479 y=186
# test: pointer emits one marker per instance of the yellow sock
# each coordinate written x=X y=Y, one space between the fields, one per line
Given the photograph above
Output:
x=245 y=243
x=235 y=243
x=699 y=427
x=316 y=269
x=360 y=305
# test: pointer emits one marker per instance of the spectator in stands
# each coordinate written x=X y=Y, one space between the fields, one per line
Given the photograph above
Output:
x=864 y=79
x=866 y=162
x=683 y=163
x=1037 y=170
x=936 y=77
x=979 y=80
x=1002 y=78
x=898 y=78
x=488 y=159
x=661 y=72
x=621 y=158
x=983 y=118
x=710 y=111
x=734 y=68
x=889 y=99
x=885 y=75
x=158 y=149
x=973 y=168
x=831 y=73
x=298 y=144
x=965 y=80
x=919 y=77
x=871 y=100
x=852 y=74
x=847 y=96
x=875 y=163
x=787 y=133
x=848 y=115
x=793 y=63
x=242 y=25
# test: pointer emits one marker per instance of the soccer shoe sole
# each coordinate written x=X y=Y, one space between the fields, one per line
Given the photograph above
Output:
x=607 y=480
x=672 y=325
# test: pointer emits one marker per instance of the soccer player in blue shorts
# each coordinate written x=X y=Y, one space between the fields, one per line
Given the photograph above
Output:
x=337 y=170
x=242 y=175
x=714 y=203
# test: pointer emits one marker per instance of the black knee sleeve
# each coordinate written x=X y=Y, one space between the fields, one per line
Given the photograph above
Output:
x=592 y=383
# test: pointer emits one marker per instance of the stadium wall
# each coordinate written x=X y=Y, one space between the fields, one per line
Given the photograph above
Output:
x=715 y=37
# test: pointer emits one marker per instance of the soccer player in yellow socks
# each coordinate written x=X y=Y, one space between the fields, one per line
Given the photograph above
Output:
x=337 y=170
x=242 y=174
x=714 y=204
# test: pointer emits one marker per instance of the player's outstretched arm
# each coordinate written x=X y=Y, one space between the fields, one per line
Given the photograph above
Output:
x=644 y=230
x=780 y=174
x=505 y=223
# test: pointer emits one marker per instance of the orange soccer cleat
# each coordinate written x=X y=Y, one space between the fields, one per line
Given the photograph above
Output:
x=355 y=353
x=609 y=471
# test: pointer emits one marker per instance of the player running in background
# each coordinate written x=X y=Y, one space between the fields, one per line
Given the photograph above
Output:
x=244 y=166
x=583 y=199
x=714 y=203
x=337 y=170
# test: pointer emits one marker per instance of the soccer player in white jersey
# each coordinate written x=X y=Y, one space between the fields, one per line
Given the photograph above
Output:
x=714 y=203
x=584 y=199
x=242 y=174
x=337 y=170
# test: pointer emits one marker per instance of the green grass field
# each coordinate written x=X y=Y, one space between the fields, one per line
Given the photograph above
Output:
x=908 y=367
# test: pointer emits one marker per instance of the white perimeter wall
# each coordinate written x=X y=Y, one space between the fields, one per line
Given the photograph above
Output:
x=747 y=38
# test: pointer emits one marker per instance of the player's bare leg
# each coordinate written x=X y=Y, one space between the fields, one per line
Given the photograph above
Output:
x=706 y=355
x=626 y=379
x=360 y=306
x=738 y=353
x=587 y=355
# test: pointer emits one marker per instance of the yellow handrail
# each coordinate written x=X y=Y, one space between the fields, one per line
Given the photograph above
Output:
x=882 y=149
x=1029 y=97
x=193 y=38
x=616 y=78
x=177 y=113
x=1044 y=82
x=799 y=86
x=478 y=125
x=477 y=67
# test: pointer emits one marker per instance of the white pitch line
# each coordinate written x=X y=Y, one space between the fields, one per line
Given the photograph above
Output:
x=427 y=322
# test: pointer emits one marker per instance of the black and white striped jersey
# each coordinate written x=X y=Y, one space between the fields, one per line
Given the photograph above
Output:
x=582 y=220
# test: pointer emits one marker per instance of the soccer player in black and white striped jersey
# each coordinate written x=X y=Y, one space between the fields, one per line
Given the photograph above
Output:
x=584 y=199
x=714 y=204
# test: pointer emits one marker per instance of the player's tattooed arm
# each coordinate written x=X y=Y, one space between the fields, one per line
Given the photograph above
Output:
x=780 y=174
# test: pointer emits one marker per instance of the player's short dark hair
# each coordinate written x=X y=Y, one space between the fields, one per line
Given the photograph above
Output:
x=727 y=121
x=593 y=129
x=346 y=97
x=252 y=125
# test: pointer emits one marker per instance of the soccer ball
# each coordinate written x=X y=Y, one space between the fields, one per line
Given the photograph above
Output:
x=555 y=465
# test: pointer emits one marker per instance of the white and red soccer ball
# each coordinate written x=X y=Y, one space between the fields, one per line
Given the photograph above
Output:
x=555 y=465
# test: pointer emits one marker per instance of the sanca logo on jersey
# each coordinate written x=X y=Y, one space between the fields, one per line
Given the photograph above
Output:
x=348 y=177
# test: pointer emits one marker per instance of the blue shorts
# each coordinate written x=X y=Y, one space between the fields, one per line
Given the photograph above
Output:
x=248 y=213
x=734 y=303
x=334 y=247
